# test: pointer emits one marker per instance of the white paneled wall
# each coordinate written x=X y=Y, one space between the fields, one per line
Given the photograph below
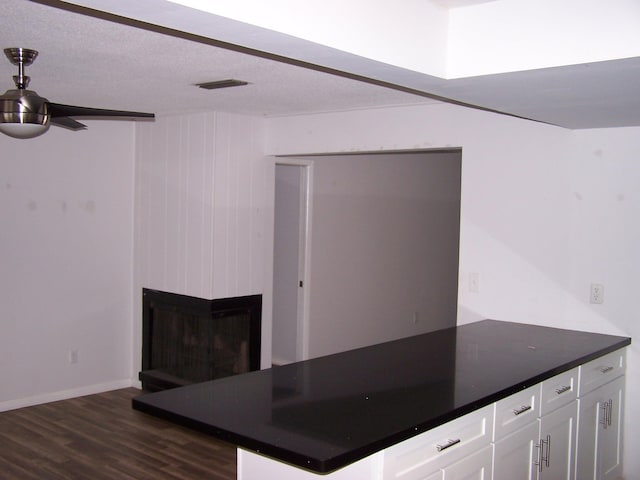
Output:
x=203 y=221
x=174 y=205
x=238 y=202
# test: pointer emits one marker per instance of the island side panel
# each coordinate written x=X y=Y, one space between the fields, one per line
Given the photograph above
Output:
x=252 y=466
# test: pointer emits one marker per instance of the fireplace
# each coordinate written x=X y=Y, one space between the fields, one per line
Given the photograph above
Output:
x=188 y=339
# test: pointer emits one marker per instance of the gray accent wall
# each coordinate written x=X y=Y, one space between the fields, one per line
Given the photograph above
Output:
x=384 y=256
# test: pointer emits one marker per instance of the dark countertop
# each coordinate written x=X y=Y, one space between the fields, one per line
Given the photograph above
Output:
x=325 y=413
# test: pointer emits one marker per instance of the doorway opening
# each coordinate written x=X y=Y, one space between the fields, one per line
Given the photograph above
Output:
x=292 y=232
x=386 y=234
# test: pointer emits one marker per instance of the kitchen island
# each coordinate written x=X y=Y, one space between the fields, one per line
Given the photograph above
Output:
x=343 y=410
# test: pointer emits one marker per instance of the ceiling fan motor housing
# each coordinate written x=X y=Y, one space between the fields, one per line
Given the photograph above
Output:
x=23 y=107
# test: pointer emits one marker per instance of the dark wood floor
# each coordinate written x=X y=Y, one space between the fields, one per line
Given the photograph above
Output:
x=102 y=437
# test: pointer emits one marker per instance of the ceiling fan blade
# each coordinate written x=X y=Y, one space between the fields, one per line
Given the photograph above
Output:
x=69 y=123
x=58 y=110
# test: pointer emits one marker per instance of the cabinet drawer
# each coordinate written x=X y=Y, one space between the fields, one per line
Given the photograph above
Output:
x=423 y=454
x=479 y=465
x=558 y=391
x=601 y=370
x=515 y=411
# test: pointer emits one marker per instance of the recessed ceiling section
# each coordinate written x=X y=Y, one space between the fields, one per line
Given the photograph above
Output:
x=512 y=36
x=86 y=58
x=461 y=3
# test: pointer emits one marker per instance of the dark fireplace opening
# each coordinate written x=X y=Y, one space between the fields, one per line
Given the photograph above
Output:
x=189 y=340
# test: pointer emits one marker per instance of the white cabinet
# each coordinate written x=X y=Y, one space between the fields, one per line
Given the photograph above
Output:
x=253 y=466
x=516 y=455
x=556 y=452
x=601 y=370
x=568 y=427
x=535 y=431
x=516 y=411
x=430 y=454
x=600 y=434
x=558 y=425
x=558 y=391
x=542 y=450
x=516 y=434
x=477 y=466
x=609 y=449
x=600 y=418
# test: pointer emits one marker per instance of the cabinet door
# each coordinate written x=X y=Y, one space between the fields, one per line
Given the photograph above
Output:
x=558 y=443
x=516 y=455
x=599 y=453
x=477 y=466
x=610 y=432
x=587 y=436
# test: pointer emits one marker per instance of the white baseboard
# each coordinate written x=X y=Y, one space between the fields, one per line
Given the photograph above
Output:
x=64 y=395
x=277 y=362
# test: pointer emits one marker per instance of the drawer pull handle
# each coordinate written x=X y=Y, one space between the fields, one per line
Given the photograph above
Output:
x=522 y=409
x=450 y=443
x=561 y=390
x=605 y=369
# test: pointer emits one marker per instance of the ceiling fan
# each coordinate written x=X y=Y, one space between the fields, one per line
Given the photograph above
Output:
x=25 y=114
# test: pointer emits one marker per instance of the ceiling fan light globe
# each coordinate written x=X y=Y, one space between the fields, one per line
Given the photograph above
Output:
x=23 y=130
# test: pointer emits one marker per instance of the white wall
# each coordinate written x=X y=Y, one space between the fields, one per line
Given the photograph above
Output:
x=66 y=239
x=545 y=212
x=384 y=256
x=204 y=212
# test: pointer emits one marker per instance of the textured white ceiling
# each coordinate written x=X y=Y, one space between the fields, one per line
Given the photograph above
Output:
x=88 y=61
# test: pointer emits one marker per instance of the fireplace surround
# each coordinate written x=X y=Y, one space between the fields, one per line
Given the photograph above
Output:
x=189 y=339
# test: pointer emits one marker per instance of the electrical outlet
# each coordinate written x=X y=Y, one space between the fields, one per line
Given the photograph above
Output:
x=597 y=293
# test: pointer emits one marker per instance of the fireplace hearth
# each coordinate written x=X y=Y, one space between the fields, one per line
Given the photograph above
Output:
x=189 y=340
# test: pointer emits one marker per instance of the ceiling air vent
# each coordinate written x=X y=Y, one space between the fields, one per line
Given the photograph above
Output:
x=222 y=84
